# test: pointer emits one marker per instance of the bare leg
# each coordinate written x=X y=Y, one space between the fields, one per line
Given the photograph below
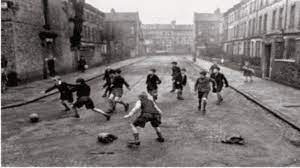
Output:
x=76 y=115
x=136 y=140
x=65 y=104
x=101 y=112
x=126 y=105
x=160 y=138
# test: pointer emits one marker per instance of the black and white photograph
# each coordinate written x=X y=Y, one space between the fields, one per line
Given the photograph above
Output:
x=150 y=83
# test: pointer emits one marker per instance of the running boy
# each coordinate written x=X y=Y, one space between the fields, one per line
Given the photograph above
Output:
x=149 y=113
x=175 y=72
x=66 y=95
x=117 y=92
x=220 y=81
x=108 y=75
x=152 y=82
x=83 y=92
x=202 y=87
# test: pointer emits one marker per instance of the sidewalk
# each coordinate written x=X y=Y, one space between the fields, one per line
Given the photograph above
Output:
x=281 y=100
x=24 y=94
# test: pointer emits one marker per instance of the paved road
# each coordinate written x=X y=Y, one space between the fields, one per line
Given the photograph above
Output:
x=191 y=139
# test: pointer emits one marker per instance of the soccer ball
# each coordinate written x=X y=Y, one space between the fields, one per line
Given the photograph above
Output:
x=34 y=118
x=106 y=138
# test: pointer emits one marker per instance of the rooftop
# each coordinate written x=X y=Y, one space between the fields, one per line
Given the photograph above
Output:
x=206 y=17
x=122 y=16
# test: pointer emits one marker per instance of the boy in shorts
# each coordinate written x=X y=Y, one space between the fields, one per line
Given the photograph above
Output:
x=175 y=72
x=152 y=82
x=202 y=87
x=220 y=81
x=149 y=113
x=108 y=75
x=66 y=95
x=117 y=92
x=83 y=99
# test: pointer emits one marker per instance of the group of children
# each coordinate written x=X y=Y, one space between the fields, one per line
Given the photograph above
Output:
x=150 y=112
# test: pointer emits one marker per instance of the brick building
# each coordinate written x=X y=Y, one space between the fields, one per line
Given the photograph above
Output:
x=33 y=30
x=267 y=33
x=207 y=30
x=168 y=38
x=123 y=34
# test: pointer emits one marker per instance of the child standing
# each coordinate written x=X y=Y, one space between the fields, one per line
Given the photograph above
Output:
x=203 y=87
x=117 y=91
x=175 y=72
x=248 y=72
x=66 y=95
x=149 y=113
x=152 y=82
x=220 y=81
x=83 y=99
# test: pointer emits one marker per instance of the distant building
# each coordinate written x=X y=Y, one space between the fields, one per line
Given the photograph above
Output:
x=207 y=32
x=123 y=34
x=266 y=33
x=168 y=38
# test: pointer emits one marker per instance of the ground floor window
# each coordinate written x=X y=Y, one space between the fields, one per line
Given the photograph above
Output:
x=291 y=49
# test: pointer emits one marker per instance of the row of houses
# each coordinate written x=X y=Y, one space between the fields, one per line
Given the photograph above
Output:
x=266 y=33
x=33 y=30
x=168 y=38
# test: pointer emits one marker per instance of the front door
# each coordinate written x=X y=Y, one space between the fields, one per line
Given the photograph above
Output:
x=267 y=63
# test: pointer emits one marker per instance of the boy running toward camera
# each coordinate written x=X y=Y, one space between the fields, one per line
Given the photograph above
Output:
x=220 y=81
x=150 y=112
x=152 y=82
x=203 y=87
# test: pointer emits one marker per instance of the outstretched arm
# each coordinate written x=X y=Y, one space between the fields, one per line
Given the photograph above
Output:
x=137 y=106
x=157 y=108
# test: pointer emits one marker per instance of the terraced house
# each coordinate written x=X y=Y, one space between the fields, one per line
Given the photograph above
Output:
x=267 y=33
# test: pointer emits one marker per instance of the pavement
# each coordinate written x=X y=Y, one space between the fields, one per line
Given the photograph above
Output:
x=191 y=138
x=281 y=100
x=31 y=92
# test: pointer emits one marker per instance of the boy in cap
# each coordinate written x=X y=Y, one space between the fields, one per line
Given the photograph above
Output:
x=202 y=87
x=150 y=112
x=66 y=95
x=175 y=73
x=152 y=82
x=117 y=91
x=83 y=92
x=220 y=81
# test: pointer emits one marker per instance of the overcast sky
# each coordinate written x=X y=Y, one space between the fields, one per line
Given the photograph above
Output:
x=163 y=11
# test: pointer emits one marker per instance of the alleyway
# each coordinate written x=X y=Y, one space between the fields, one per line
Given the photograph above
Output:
x=191 y=138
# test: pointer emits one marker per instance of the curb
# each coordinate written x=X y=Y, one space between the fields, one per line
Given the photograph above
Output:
x=51 y=94
x=274 y=112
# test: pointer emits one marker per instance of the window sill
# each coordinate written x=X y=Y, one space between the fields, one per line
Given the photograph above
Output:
x=284 y=60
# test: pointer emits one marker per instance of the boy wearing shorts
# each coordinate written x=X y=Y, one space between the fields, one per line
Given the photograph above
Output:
x=152 y=82
x=220 y=81
x=150 y=112
x=83 y=99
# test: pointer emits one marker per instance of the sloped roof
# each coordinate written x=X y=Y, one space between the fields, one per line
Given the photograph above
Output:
x=122 y=16
x=92 y=8
x=206 y=17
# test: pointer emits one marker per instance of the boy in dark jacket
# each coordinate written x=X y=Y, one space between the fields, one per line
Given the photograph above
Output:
x=203 y=87
x=108 y=75
x=82 y=64
x=117 y=91
x=83 y=92
x=66 y=95
x=152 y=82
x=220 y=81
x=175 y=73
x=150 y=112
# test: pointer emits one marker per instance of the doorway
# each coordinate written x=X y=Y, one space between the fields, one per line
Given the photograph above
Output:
x=267 y=71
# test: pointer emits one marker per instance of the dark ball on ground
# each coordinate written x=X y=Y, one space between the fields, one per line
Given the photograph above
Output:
x=34 y=118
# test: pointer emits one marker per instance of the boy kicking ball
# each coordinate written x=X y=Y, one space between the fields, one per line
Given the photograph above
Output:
x=149 y=113
x=83 y=92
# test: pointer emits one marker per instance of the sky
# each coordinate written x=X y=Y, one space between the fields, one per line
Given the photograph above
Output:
x=164 y=11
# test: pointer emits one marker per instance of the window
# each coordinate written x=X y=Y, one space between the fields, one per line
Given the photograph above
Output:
x=274 y=20
x=253 y=26
x=292 y=16
x=260 y=25
x=249 y=27
x=280 y=18
x=291 y=49
x=265 y=23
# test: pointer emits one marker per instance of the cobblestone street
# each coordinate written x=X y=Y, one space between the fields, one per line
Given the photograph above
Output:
x=191 y=138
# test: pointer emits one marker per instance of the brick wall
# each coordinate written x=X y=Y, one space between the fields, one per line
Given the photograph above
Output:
x=287 y=73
